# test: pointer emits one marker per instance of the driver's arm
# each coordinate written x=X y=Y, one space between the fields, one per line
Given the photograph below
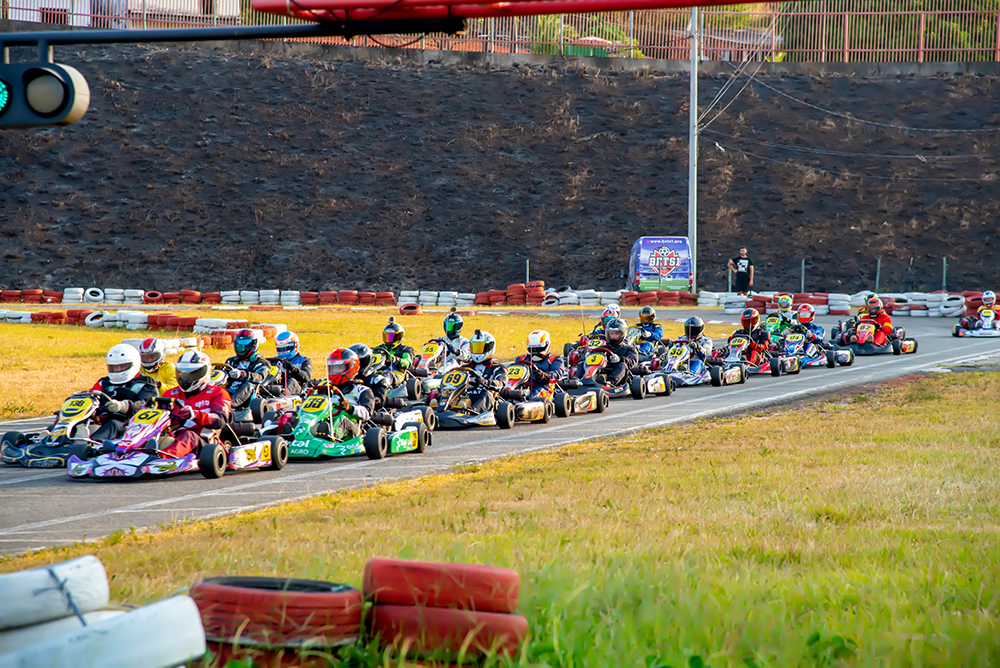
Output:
x=363 y=407
x=303 y=373
x=259 y=371
x=217 y=414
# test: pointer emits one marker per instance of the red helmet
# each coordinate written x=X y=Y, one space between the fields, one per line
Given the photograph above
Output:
x=750 y=319
x=342 y=366
x=806 y=314
x=874 y=305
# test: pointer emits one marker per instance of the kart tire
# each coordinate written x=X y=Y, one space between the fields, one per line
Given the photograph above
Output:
x=603 y=400
x=715 y=375
x=388 y=581
x=897 y=347
x=278 y=611
x=637 y=386
x=850 y=359
x=775 y=366
x=831 y=359
x=744 y=374
x=270 y=416
x=423 y=629
x=423 y=437
x=376 y=443
x=212 y=460
x=548 y=411
x=504 y=413
x=414 y=388
x=31 y=596
x=956 y=331
x=563 y=404
x=257 y=410
x=16 y=440
x=914 y=347
x=567 y=349
x=430 y=418
x=279 y=452
x=796 y=365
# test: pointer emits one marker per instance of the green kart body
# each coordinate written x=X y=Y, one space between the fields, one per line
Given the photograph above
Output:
x=777 y=327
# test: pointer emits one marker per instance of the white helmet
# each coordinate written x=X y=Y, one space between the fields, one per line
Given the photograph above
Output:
x=482 y=345
x=152 y=352
x=123 y=363
x=193 y=371
x=539 y=343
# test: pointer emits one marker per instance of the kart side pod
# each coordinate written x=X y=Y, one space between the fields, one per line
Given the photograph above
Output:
x=728 y=375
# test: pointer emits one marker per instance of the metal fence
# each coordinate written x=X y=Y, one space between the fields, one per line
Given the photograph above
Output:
x=813 y=31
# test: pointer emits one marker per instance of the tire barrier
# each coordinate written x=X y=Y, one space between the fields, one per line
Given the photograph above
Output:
x=93 y=296
x=441 y=585
x=409 y=309
x=44 y=594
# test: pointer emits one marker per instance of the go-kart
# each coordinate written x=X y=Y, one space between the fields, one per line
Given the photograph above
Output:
x=776 y=326
x=433 y=363
x=591 y=375
x=261 y=403
x=795 y=345
x=549 y=401
x=70 y=435
x=680 y=368
x=453 y=407
x=897 y=344
x=403 y=384
x=139 y=452
x=736 y=365
x=987 y=326
x=319 y=430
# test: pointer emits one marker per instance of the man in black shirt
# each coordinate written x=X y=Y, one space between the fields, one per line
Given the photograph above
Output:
x=743 y=266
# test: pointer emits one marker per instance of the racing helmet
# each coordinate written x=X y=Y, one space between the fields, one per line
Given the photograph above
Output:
x=874 y=305
x=287 y=344
x=194 y=369
x=806 y=314
x=989 y=299
x=123 y=363
x=785 y=303
x=393 y=333
x=647 y=315
x=614 y=332
x=364 y=354
x=539 y=343
x=750 y=319
x=482 y=345
x=245 y=343
x=694 y=327
x=610 y=313
x=342 y=366
x=453 y=324
x=152 y=352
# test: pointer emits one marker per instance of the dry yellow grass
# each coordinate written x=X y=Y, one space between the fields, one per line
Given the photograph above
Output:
x=43 y=364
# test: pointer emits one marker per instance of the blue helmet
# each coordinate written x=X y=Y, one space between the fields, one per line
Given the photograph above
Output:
x=245 y=343
x=287 y=344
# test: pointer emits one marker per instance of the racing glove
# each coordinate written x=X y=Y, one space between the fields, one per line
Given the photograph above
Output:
x=182 y=413
x=614 y=359
x=543 y=376
x=118 y=406
x=238 y=374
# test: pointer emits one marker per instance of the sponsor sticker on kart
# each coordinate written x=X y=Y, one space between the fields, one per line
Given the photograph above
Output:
x=73 y=407
x=733 y=375
x=59 y=431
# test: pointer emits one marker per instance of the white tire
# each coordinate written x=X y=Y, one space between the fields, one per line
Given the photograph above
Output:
x=31 y=596
x=467 y=296
x=708 y=295
x=161 y=635
x=73 y=291
x=131 y=294
x=96 y=319
x=14 y=639
x=270 y=293
x=451 y=295
x=93 y=296
x=610 y=295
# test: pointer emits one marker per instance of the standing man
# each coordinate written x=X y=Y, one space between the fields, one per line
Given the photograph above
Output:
x=743 y=266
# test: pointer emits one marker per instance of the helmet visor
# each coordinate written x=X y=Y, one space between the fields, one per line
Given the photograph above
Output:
x=614 y=336
x=191 y=377
x=244 y=347
x=149 y=359
x=119 y=368
x=392 y=337
x=285 y=351
x=538 y=348
x=337 y=368
x=647 y=318
x=480 y=347
x=452 y=327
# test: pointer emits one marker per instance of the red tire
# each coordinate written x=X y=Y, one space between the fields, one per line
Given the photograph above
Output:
x=441 y=585
x=430 y=629
x=409 y=309
x=152 y=297
x=278 y=611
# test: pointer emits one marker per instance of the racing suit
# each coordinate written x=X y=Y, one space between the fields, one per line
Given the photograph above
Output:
x=649 y=337
x=400 y=358
x=379 y=386
x=136 y=394
x=615 y=372
x=701 y=352
x=209 y=412
x=812 y=332
x=295 y=374
x=456 y=349
x=550 y=368
x=256 y=370
x=760 y=341
x=360 y=405
x=883 y=326
x=495 y=376
x=165 y=376
x=598 y=331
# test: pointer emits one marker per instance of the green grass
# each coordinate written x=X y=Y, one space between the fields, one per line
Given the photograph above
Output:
x=847 y=533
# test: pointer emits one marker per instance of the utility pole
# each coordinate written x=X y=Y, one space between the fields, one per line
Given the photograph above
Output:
x=693 y=153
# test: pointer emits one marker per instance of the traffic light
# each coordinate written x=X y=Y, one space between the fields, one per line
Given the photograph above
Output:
x=40 y=94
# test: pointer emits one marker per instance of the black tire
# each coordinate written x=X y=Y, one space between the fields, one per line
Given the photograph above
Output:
x=831 y=359
x=423 y=437
x=775 y=366
x=637 y=386
x=16 y=440
x=715 y=375
x=414 y=388
x=270 y=416
x=669 y=386
x=376 y=443
x=548 y=412
x=897 y=347
x=279 y=453
x=257 y=410
x=563 y=404
x=567 y=349
x=914 y=347
x=955 y=331
x=744 y=374
x=797 y=365
x=212 y=460
x=504 y=414
x=603 y=400
x=81 y=450
x=430 y=418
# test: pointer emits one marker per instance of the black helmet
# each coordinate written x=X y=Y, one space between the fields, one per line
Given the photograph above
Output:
x=393 y=333
x=364 y=354
x=694 y=327
x=614 y=332
x=453 y=324
x=647 y=315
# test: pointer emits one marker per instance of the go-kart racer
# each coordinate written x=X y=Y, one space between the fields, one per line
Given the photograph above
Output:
x=875 y=313
x=457 y=346
x=296 y=369
x=759 y=339
x=785 y=303
x=153 y=356
x=622 y=358
x=204 y=408
x=248 y=369
x=400 y=357
x=129 y=390
x=482 y=347
x=610 y=313
x=545 y=366
x=804 y=324
x=651 y=333
x=696 y=341
x=356 y=399
x=378 y=384
x=989 y=303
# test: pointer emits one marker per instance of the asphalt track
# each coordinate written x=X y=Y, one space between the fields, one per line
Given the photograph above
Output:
x=40 y=508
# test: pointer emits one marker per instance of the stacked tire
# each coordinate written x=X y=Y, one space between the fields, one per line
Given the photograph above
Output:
x=441 y=610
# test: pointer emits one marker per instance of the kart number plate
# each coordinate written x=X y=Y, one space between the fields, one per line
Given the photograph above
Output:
x=148 y=416
x=676 y=351
x=517 y=372
x=265 y=451
x=73 y=407
x=314 y=405
x=454 y=378
x=738 y=341
x=430 y=349
x=795 y=338
x=594 y=359
x=377 y=358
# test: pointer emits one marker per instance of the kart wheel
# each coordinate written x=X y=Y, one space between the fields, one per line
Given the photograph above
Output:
x=504 y=414
x=567 y=349
x=775 y=366
x=956 y=331
x=602 y=400
x=744 y=374
x=279 y=453
x=563 y=405
x=12 y=447
x=547 y=410
x=850 y=359
x=212 y=460
x=796 y=364
x=257 y=411
x=270 y=416
x=430 y=418
x=376 y=443
x=715 y=374
x=81 y=450
x=414 y=388
x=831 y=359
x=913 y=352
x=638 y=388
x=423 y=437
x=897 y=347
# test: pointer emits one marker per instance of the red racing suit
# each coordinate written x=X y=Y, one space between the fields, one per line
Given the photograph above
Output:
x=883 y=326
x=760 y=341
x=211 y=412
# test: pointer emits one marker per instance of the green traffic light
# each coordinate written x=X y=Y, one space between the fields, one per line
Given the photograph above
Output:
x=4 y=96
